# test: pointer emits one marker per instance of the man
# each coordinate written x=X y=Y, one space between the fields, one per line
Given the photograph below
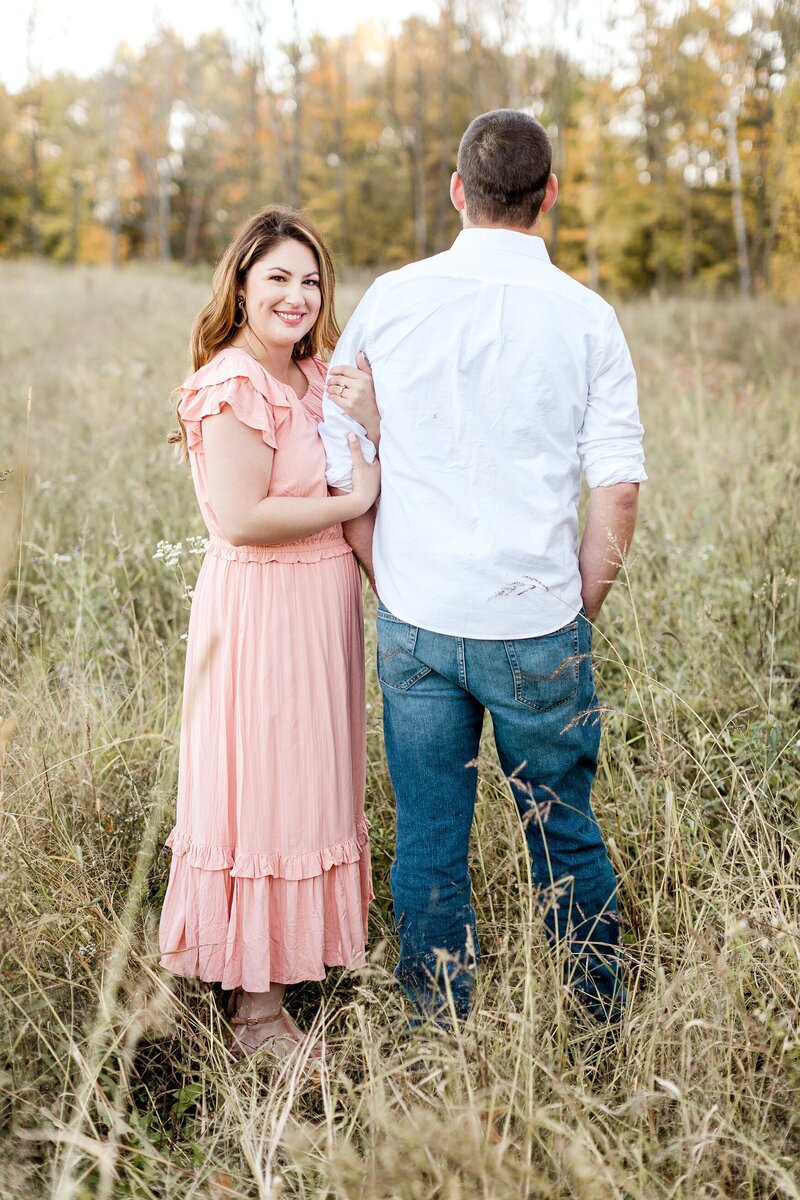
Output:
x=498 y=378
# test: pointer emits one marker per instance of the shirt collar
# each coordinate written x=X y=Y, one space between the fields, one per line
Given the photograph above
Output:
x=479 y=238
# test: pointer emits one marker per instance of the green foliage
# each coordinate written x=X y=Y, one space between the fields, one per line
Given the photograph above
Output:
x=162 y=155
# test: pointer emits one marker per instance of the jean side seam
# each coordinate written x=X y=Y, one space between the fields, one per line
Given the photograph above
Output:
x=516 y=675
x=461 y=658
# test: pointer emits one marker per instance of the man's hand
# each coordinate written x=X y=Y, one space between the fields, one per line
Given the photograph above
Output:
x=607 y=535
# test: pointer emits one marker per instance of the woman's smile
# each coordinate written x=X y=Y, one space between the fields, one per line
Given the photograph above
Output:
x=290 y=318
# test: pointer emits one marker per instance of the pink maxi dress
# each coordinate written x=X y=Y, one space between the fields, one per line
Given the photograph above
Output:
x=270 y=875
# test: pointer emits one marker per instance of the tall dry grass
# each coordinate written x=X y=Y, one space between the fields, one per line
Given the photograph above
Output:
x=113 y=1081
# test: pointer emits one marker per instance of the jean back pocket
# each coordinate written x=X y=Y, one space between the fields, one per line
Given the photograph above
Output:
x=397 y=666
x=546 y=670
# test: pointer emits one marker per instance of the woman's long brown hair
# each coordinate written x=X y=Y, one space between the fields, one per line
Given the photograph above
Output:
x=215 y=325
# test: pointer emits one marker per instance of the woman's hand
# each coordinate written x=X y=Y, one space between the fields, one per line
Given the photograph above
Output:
x=353 y=390
x=366 y=478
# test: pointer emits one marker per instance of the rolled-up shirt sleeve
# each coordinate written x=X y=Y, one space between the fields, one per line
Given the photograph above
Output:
x=336 y=424
x=610 y=439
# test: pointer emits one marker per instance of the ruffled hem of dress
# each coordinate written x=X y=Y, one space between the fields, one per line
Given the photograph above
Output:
x=289 y=552
x=259 y=866
x=255 y=932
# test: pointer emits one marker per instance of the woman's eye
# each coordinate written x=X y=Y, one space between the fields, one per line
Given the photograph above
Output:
x=312 y=282
x=278 y=278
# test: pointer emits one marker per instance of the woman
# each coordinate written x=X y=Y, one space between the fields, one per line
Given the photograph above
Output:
x=270 y=874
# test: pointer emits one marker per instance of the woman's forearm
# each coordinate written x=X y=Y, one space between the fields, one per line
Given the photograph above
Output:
x=277 y=519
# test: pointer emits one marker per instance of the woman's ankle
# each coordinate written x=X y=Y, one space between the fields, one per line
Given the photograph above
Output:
x=261 y=1004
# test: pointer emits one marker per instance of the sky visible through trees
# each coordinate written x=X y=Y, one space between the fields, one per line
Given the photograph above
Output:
x=677 y=147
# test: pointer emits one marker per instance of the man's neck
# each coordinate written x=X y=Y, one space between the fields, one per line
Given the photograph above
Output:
x=534 y=230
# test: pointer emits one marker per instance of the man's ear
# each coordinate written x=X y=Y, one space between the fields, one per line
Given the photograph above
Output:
x=457 y=192
x=550 y=194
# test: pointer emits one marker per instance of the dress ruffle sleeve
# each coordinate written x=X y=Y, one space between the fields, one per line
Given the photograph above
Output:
x=315 y=370
x=235 y=379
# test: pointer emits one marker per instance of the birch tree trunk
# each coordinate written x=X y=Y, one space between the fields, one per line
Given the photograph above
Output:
x=295 y=148
x=417 y=150
x=255 y=70
x=195 y=221
x=34 y=194
x=164 y=174
x=32 y=114
x=737 y=198
x=446 y=149
x=345 y=239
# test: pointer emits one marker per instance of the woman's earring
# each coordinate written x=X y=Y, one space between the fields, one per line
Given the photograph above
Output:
x=241 y=313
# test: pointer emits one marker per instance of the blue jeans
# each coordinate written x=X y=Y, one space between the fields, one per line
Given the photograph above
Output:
x=540 y=693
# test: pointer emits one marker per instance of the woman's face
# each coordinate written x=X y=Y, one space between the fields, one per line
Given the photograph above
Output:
x=282 y=294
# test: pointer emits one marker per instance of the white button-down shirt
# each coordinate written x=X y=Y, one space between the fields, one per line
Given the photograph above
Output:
x=498 y=378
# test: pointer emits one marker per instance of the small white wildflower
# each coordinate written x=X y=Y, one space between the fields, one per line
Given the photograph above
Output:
x=184 y=637
x=59 y=559
x=197 y=545
x=736 y=927
x=169 y=553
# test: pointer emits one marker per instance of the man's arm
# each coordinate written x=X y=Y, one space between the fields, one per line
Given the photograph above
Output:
x=610 y=449
x=358 y=535
x=610 y=439
x=336 y=424
x=607 y=535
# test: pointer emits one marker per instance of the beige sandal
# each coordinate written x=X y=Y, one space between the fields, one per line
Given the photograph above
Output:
x=287 y=1040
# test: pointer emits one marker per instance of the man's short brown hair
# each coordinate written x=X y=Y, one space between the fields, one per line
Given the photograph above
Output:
x=504 y=162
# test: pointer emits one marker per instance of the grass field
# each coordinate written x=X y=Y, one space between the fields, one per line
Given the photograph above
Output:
x=113 y=1080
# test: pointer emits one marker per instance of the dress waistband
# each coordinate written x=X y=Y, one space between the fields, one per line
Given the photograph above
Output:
x=329 y=543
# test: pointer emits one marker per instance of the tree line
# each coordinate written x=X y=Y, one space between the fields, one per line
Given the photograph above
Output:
x=679 y=163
